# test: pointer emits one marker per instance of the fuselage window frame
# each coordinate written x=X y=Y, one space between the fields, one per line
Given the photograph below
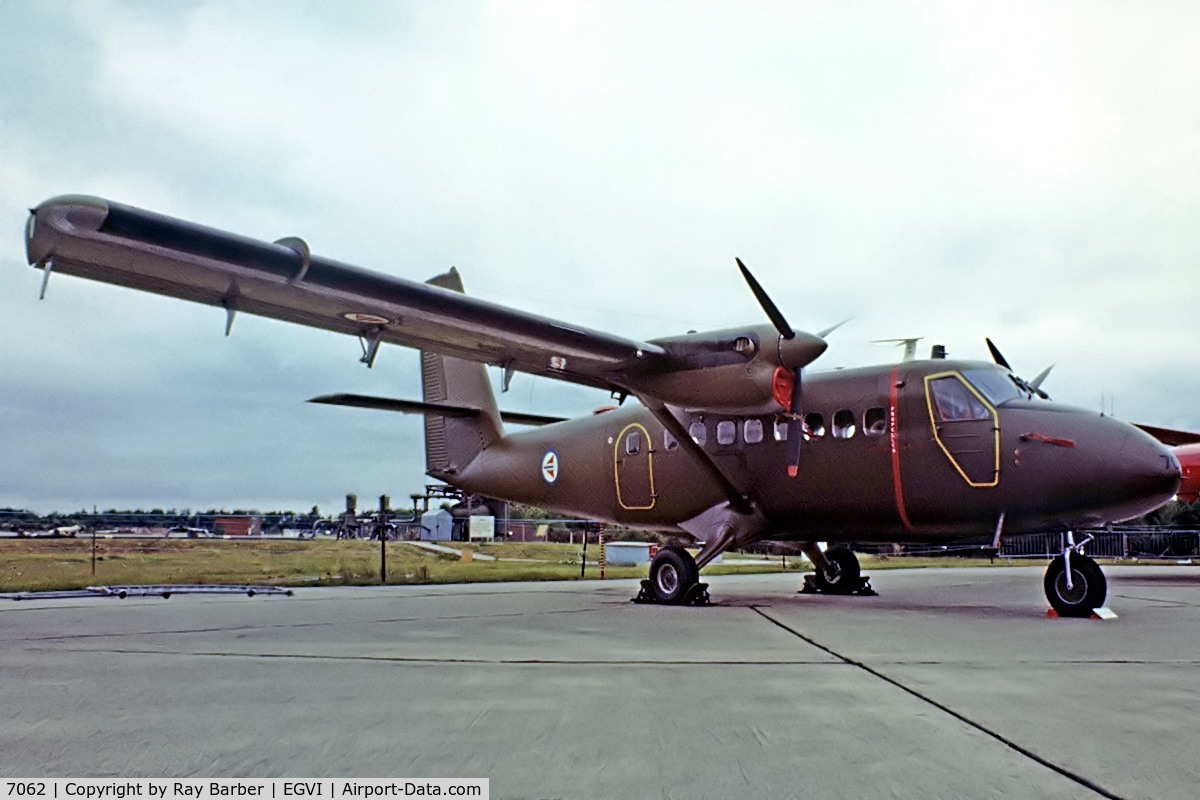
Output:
x=875 y=421
x=726 y=432
x=814 y=425
x=843 y=426
x=752 y=431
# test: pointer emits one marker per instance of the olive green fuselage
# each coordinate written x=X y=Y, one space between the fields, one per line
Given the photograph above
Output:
x=886 y=457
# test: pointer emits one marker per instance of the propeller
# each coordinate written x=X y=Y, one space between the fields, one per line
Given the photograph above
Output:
x=1033 y=387
x=768 y=305
x=787 y=383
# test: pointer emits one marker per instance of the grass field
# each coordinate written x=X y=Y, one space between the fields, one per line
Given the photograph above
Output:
x=55 y=564
x=46 y=564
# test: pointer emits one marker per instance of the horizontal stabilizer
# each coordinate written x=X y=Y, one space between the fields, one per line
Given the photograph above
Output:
x=418 y=407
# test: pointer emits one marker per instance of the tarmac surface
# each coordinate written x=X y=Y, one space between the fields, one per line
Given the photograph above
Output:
x=952 y=683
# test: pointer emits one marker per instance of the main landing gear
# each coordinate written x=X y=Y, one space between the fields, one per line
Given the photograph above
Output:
x=674 y=579
x=1074 y=584
x=837 y=571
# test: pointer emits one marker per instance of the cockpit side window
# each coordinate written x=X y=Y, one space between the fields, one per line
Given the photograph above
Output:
x=955 y=402
x=995 y=384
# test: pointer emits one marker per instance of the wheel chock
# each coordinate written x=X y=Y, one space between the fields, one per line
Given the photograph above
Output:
x=696 y=596
x=864 y=588
x=1102 y=613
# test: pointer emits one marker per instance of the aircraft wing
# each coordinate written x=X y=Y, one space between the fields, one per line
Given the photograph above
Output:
x=1169 y=436
x=107 y=241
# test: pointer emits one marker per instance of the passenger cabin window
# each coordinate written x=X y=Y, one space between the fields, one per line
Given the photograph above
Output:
x=752 y=431
x=726 y=432
x=875 y=422
x=955 y=402
x=698 y=432
x=843 y=424
x=633 y=443
x=814 y=426
x=670 y=443
x=781 y=430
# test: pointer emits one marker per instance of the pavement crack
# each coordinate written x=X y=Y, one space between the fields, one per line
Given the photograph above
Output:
x=289 y=626
x=385 y=659
x=1024 y=751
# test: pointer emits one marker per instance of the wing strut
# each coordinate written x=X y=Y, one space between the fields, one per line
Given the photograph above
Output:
x=737 y=500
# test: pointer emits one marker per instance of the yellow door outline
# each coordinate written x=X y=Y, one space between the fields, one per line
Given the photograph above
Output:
x=649 y=466
x=933 y=422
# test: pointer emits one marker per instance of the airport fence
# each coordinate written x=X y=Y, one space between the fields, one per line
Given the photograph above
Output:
x=1135 y=542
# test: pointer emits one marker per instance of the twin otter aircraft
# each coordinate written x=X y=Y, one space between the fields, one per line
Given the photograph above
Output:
x=727 y=445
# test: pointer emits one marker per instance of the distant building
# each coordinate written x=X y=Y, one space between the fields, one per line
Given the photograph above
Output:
x=237 y=526
x=437 y=525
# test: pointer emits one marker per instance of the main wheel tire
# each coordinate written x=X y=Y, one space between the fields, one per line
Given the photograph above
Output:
x=1088 y=586
x=846 y=575
x=673 y=573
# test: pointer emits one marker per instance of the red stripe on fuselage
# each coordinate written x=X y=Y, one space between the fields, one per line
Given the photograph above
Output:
x=894 y=432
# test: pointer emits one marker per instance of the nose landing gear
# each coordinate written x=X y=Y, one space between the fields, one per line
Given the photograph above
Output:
x=1074 y=584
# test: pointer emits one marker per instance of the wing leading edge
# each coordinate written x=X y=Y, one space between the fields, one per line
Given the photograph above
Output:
x=114 y=243
x=732 y=369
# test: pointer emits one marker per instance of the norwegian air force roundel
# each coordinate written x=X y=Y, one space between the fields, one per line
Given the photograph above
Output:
x=550 y=466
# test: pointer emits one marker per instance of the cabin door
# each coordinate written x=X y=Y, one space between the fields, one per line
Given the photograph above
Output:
x=633 y=467
x=966 y=428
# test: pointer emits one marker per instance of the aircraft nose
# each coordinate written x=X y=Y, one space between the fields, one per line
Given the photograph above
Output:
x=1148 y=468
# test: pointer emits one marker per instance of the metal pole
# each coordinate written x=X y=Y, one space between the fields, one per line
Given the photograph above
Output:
x=93 y=552
x=583 y=561
x=603 y=554
x=382 y=528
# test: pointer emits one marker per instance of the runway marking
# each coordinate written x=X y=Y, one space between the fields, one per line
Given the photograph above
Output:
x=1066 y=773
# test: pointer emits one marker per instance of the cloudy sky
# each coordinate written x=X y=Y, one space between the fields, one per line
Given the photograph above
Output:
x=1025 y=171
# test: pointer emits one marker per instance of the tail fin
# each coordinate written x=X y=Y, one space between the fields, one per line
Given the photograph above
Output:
x=451 y=443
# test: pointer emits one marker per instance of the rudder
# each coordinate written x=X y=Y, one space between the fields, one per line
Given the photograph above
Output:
x=452 y=442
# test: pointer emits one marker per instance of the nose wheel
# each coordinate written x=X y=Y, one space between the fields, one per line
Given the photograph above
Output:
x=1074 y=583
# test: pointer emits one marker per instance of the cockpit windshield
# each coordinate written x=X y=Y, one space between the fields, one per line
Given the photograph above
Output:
x=996 y=385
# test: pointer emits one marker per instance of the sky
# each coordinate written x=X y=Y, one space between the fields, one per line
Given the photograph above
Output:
x=1024 y=171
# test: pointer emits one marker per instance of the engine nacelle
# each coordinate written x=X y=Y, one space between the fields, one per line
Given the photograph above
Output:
x=731 y=371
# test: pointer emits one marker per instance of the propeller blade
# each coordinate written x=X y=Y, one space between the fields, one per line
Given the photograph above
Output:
x=997 y=356
x=796 y=436
x=1036 y=383
x=832 y=328
x=793 y=450
x=1034 y=387
x=768 y=305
